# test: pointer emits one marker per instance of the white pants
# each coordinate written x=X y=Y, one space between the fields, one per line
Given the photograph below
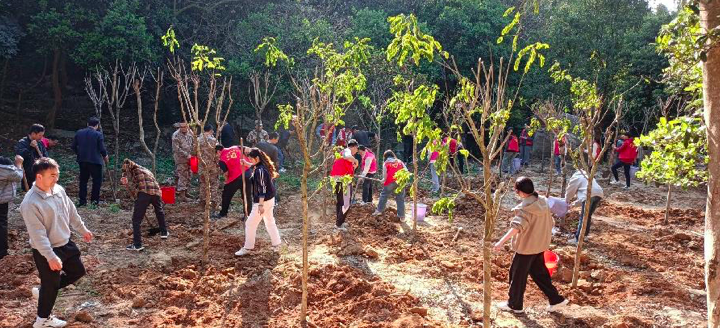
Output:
x=253 y=221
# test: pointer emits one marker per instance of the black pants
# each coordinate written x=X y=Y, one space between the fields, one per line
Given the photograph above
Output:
x=141 y=204
x=626 y=168
x=95 y=171
x=4 y=229
x=231 y=188
x=594 y=202
x=367 y=188
x=52 y=281
x=460 y=161
x=534 y=265
x=339 y=194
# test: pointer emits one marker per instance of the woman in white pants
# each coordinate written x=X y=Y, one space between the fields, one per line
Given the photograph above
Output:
x=263 y=201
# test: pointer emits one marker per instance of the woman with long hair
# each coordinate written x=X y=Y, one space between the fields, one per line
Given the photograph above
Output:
x=263 y=195
x=530 y=233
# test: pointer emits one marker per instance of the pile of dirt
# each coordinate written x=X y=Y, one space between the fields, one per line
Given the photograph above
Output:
x=361 y=218
x=686 y=217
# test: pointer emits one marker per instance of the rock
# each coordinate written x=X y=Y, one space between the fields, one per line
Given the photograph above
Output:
x=585 y=285
x=477 y=315
x=585 y=275
x=565 y=275
x=83 y=316
x=681 y=236
x=598 y=275
x=418 y=310
x=371 y=253
x=138 y=302
x=161 y=259
x=448 y=264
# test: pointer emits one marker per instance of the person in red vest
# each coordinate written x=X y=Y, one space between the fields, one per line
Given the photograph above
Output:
x=343 y=135
x=511 y=151
x=344 y=166
x=391 y=166
x=454 y=147
x=627 y=153
x=369 y=168
x=559 y=152
x=234 y=162
x=526 y=144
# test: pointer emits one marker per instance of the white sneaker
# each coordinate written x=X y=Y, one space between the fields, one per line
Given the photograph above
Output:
x=164 y=236
x=36 y=293
x=51 y=322
x=553 y=308
x=376 y=213
x=242 y=252
x=506 y=308
x=572 y=241
x=341 y=228
x=614 y=182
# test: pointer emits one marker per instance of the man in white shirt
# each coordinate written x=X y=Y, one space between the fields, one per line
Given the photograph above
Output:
x=577 y=186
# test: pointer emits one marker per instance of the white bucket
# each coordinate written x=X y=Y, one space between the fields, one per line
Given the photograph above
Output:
x=421 y=210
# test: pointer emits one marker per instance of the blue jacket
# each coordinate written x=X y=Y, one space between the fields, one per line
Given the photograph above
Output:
x=89 y=146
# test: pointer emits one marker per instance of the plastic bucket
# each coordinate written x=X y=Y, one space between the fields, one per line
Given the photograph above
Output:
x=552 y=261
x=194 y=164
x=168 y=195
x=421 y=210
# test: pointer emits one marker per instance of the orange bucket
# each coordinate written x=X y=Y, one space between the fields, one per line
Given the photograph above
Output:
x=194 y=164
x=168 y=195
x=552 y=261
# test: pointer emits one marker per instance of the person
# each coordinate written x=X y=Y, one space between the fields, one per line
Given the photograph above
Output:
x=182 y=145
x=454 y=151
x=369 y=168
x=343 y=135
x=49 y=214
x=577 y=186
x=227 y=135
x=233 y=162
x=89 y=147
x=271 y=149
x=391 y=165
x=627 y=154
x=31 y=149
x=530 y=233
x=11 y=173
x=282 y=145
x=49 y=142
x=511 y=151
x=145 y=190
x=526 y=144
x=263 y=202
x=258 y=134
x=559 y=152
x=326 y=132
x=343 y=167
x=433 y=172
x=363 y=138
x=207 y=142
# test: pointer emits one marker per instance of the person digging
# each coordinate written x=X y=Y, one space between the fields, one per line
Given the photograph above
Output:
x=145 y=190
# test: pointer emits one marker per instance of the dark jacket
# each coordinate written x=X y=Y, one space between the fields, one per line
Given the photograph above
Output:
x=363 y=137
x=262 y=183
x=89 y=146
x=29 y=154
x=270 y=150
x=227 y=136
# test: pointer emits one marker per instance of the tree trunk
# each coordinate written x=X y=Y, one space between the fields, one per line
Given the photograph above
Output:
x=208 y=201
x=667 y=205
x=709 y=20
x=487 y=238
x=551 y=174
x=57 y=91
x=583 y=229
x=415 y=182
x=2 y=80
x=301 y=133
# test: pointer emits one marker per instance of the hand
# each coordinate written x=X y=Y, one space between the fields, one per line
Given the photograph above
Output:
x=88 y=236
x=498 y=247
x=18 y=160
x=107 y=159
x=33 y=143
x=261 y=210
x=123 y=180
x=55 y=264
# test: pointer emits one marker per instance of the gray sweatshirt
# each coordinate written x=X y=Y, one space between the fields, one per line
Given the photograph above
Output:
x=48 y=218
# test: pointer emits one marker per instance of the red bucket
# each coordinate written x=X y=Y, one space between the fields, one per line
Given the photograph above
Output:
x=552 y=261
x=168 y=195
x=194 y=164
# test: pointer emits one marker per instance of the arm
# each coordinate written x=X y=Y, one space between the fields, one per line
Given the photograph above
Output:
x=37 y=232
x=74 y=144
x=511 y=233
x=366 y=168
x=101 y=147
x=572 y=188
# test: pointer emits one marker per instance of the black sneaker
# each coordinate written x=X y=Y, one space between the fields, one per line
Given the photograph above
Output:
x=164 y=235
x=132 y=247
x=217 y=216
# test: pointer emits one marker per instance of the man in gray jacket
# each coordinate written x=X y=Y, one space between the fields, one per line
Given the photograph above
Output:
x=10 y=176
x=49 y=213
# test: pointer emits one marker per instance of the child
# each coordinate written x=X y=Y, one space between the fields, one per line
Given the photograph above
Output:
x=530 y=231
x=369 y=168
x=391 y=166
x=10 y=176
x=343 y=166
x=263 y=201
x=48 y=214
x=145 y=189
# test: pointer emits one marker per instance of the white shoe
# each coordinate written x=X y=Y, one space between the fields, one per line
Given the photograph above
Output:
x=51 y=322
x=376 y=213
x=36 y=292
x=614 y=182
x=553 y=308
x=343 y=227
x=506 y=308
x=626 y=188
x=242 y=252
x=572 y=241
x=165 y=236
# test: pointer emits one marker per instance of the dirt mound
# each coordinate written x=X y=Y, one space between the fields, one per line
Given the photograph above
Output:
x=688 y=217
x=360 y=216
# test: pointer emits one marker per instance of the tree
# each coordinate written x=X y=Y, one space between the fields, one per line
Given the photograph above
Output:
x=10 y=35
x=137 y=89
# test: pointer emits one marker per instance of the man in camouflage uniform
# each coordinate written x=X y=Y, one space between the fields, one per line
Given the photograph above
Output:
x=182 y=144
x=208 y=154
x=257 y=135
